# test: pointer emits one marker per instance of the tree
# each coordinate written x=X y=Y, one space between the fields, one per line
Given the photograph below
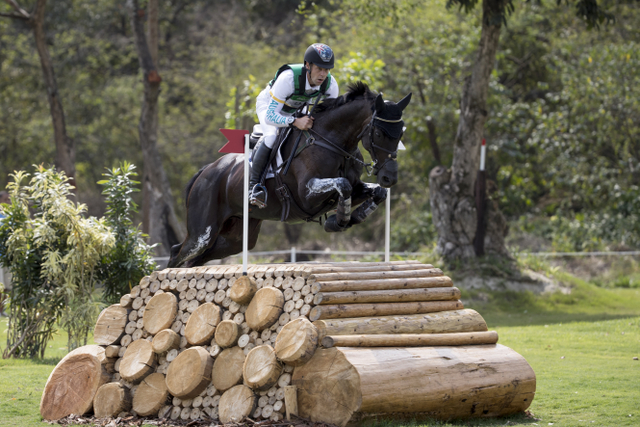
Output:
x=159 y=217
x=452 y=189
x=65 y=146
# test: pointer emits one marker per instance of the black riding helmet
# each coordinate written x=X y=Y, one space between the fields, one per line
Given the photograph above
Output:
x=319 y=54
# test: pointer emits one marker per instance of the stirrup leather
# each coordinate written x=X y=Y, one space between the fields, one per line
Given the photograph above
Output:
x=254 y=200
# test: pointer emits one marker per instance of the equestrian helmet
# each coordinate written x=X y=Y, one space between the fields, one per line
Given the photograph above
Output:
x=319 y=54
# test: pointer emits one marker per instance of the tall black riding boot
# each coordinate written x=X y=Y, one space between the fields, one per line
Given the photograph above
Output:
x=258 y=194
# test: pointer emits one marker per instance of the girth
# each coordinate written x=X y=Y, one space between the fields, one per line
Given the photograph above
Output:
x=290 y=209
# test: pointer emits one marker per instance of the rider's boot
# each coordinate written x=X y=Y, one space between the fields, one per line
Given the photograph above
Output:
x=261 y=157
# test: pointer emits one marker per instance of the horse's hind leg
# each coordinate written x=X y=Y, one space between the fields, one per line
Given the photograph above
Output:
x=229 y=240
x=196 y=243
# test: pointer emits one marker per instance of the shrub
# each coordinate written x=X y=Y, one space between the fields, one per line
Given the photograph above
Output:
x=131 y=258
x=52 y=252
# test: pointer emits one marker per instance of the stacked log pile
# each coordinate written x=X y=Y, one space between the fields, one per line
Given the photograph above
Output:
x=328 y=342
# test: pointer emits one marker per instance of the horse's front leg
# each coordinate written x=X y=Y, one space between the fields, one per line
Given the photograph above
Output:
x=371 y=196
x=325 y=186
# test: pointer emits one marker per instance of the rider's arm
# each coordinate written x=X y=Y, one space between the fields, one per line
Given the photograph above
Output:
x=282 y=88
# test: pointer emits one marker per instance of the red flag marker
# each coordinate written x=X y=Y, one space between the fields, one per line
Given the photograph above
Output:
x=236 y=140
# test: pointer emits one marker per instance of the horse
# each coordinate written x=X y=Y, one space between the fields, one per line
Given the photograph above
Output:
x=324 y=175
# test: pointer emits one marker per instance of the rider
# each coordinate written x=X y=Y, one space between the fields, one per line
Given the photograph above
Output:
x=283 y=96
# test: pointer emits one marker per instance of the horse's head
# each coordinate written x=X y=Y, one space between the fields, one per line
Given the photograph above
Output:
x=381 y=138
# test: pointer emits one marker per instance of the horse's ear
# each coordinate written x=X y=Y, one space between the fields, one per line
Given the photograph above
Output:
x=379 y=104
x=404 y=102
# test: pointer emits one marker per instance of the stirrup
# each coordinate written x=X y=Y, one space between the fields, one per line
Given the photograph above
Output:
x=254 y=200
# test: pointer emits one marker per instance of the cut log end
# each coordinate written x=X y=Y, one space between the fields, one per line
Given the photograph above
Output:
x=227 y=368
x=151 y=395
x=297 y=342
x=74 y=382
x=261 y=368
x=138 y=361
x=110 y=325
x=189 y=374
x=111 y=399
x=243 y=290
x=160 y=312
x=265 y=308
x=236 y=404
x=165 y=340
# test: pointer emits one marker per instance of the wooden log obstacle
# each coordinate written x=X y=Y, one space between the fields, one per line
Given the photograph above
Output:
x=329 y=342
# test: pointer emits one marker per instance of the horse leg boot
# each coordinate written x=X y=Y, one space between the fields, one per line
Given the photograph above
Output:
x=261 y=157
x=368 y=206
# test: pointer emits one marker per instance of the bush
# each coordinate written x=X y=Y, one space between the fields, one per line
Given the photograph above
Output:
x=52 y=252
x=131 y=258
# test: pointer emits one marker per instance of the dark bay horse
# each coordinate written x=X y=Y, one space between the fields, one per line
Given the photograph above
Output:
x=323 y=176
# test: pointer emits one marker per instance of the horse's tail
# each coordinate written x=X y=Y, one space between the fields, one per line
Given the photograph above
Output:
x=190 y=185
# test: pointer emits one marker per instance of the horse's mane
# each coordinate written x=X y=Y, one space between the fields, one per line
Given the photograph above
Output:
x=358 y=90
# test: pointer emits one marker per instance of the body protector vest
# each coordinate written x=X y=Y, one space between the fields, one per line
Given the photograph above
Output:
x=299 y=97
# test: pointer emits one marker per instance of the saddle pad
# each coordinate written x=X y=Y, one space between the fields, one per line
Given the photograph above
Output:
x=279 y=161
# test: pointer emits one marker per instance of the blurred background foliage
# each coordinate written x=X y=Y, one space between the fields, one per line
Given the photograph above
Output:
x=563 y=128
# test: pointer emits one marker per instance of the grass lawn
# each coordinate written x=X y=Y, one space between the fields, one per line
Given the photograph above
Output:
x=581 y=347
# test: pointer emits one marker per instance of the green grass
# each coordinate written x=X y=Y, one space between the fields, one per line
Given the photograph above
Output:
x=581 y=347
x=22 y=381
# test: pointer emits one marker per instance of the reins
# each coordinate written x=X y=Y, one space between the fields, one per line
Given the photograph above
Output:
x=332 y=146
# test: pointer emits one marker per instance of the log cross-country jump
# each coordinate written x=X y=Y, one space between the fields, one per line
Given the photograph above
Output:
x=410 y=350
x=324 y=175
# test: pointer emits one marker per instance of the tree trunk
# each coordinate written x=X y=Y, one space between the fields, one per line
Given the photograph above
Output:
x=65 y=147
x=452 y=191
x=160 y=220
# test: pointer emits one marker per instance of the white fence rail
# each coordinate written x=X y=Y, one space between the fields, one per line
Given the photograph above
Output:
x=293 y=253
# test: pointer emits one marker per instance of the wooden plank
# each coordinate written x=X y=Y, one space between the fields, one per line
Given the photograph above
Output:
x=380 y=284
x=373 y=275
x=399 y=295
x=466 y=320
x=291 y=400
x=337 y=311
x=411 y=340
x=359 y=267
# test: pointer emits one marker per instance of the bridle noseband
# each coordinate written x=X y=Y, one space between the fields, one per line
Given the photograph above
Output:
x=391 y=155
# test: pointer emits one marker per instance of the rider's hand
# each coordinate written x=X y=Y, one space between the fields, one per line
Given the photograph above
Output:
x=303 y=123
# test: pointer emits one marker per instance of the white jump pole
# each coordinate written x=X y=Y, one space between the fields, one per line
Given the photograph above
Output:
x=387 y=226
x=245 y=208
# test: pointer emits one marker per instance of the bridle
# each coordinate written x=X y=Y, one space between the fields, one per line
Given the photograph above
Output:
x=391 y=155
x=331 y=146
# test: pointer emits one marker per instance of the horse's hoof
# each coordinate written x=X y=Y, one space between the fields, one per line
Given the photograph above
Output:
x=331 y=225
